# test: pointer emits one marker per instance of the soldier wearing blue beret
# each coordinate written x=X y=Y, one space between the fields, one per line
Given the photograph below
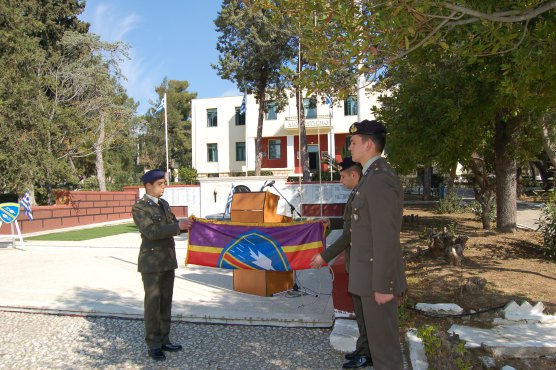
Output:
x=376 y=271
x=157 y=261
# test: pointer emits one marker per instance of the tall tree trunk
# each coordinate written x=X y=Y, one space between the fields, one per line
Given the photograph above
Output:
x=543 y=173
x=450 y=189
x=99 y=161
x=548 y=145
x=483 y=190
x=427 y=181
x=259 y=139
x=506 y=171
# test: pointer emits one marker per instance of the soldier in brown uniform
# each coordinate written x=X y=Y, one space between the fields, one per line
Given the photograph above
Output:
x=376 y=271
x=350 y=174
x=157 y=261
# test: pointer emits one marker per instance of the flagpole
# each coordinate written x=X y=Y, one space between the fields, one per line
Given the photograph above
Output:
x=331 y=133
x=166 y=140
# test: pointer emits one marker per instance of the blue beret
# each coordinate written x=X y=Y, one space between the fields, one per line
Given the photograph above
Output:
x=153 y=175
x=346 y=163
x=367 y=127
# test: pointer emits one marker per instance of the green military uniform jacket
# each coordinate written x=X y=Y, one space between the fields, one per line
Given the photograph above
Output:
x=376 y=263
x=344 y=241
x=158 y=226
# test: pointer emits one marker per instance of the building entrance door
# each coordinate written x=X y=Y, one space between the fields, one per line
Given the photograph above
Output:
x=313 y=157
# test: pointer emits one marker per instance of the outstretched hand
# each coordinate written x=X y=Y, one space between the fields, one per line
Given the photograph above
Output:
x=317 y=261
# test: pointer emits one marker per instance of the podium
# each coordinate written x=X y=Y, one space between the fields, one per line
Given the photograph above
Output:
x=259 y=207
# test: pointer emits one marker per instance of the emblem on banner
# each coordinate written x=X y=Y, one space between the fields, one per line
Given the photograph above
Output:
x=9 y=212
x=254 y=250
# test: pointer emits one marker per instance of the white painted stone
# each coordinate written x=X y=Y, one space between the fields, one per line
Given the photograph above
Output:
x=526 y=312
x=417 y=354
x=520 y=352
x=344 y=335
x=508 y=367
x=339 y=314
x=440 y=307
x=516 y=335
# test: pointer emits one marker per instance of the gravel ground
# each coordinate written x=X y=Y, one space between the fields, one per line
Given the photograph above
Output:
x=37 y=341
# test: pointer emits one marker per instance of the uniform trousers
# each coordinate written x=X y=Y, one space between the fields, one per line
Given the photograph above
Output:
x=381 y=322
x=159 y=288
x=362 y=345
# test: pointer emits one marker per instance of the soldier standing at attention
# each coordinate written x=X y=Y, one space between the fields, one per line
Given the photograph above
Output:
x=376 y=271
x=157 y=261
x=350 y=173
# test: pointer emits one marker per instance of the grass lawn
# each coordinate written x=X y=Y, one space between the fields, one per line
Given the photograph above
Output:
x=85 y=234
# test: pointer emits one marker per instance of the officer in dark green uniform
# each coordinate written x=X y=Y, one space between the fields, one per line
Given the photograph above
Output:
x=157 y=261
x=376 y=270
x=350 y=173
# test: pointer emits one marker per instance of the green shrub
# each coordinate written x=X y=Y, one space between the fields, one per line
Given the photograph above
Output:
x=548 y=229
x=450 y=204
x=444 y=351
x=90 y=183
x=188 y=175
x=477 y=209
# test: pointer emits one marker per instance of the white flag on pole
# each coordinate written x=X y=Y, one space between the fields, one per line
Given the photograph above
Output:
x=242 y=108
x=161 y=106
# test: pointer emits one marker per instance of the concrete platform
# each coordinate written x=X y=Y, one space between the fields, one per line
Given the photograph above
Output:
x=99 y=277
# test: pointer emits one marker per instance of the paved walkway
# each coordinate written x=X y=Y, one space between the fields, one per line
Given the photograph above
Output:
x=100 y=275
x=93 y=297
x=79 y=305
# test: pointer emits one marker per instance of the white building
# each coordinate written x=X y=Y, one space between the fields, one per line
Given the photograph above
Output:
x=223 y=140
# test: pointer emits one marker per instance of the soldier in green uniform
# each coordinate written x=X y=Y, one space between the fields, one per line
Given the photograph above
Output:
x=376 y=271
x=350 y=174
x=157 y=261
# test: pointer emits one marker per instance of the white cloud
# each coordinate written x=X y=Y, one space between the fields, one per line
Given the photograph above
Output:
x=233 y=92
x=141 y=78
x=110 y=26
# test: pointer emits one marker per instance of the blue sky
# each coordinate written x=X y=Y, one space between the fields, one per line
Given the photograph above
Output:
x=168 y=38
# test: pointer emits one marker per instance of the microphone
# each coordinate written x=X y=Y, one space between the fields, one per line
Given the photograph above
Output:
x=262 y=187
x=265 y=184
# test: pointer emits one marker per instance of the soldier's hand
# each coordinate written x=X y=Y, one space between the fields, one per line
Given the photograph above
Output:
x=326 y=222
x=317 y=261
x=184 y=223
x=382 y=298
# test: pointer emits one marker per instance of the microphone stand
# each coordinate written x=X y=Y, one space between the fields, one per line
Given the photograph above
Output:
x=296 y=290
x=292 y=208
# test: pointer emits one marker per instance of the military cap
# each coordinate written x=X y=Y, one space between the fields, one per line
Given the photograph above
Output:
x=367 y=127
x=346 y=163
x=153 y=175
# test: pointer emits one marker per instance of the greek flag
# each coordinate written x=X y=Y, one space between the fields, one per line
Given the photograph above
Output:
x=242 y=108
x=229 y=201
x=328 y=100
x=161 y=106
x=25 y=203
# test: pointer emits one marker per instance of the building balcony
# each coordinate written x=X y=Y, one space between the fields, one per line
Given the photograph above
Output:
x=312 y=124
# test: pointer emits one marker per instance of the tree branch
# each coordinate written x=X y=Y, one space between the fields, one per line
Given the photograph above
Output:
x=523 y=16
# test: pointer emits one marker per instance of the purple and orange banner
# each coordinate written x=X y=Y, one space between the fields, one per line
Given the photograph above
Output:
x=253 y=246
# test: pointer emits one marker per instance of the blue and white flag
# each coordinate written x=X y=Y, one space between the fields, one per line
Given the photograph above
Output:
x=25 y=203
x=328 y=100
x=161 y=106
x=242 y=108
x=229 y=201
x=9 y=212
